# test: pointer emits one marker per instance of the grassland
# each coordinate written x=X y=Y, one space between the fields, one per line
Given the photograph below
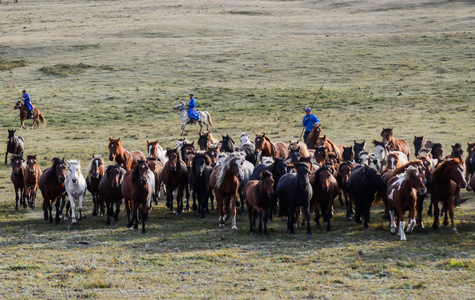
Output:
x=115 y=68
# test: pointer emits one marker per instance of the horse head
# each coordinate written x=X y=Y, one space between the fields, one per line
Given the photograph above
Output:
x=302 y=175
x=415 y=180
x=96 y=167
x=140 y=173
x=75 y=169
x=471 y=152
x=30 y=164
x=115 y=147
x=348 y=154
x=115 y=175
x=58 y=168
x=173 y=159
x=387 y=134
x=18 y=105
x=17 y=164
x=152 y=148
x=358 y=148
x=323 y=178
x=457 y=151
x=267 y=182
x=344 y=171
x=179 y=107
x=11 y=135
x=200 y=161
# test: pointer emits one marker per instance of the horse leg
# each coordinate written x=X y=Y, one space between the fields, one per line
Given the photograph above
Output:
x=444 y=209
x=307 y=217
x=80 y=215
x=135 y=218
x=73 y=209
x=117 y=210
x=211 y=197
x=58 y=209
x=242 y=198
x=436 y=224
x=264 y=218
x=412 y=221
x=451 y=213
x=195 y=207
x=109 y=213
x=260 y=220
x=429 y=211
x=170 y=201
x=95 y=208
x=392 y=226
x=366 y=217
x=329 y=215
x=290 y=220
x=220 y=207
x=143 y=216
x=17 y=198
x=251 y=221
x=50 y=210
x=317 y=216
x=419 y=208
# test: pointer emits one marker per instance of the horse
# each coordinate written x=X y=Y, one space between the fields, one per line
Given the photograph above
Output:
x=325 y=189
x=344 y=171
x=225 y=180
x=401 y=195
x=185 y=148
x=24 y=115
x=294 y=190
x=329 y=147
x=313 y=136
x=348 y=154
x=445 y=179
x=205 y=139
x=156 y=166
x=320 y=155
x=358 y=148
x=418 y=144
x=363 y=183
x=75 y=185
x=16 y=176
x=437 y=152
x=128 y=159
x=381 y=151
x=51 y=184
x=31 y=176
x=213 y=152
x=175 y=177
x=470 y=164
x=205 y=118
x=258 y=200
x=244 y=139
x=110 y=190
x=154 y=150
x=199 y=176
x=15 y=145
x=300 y=146
x=94 y=174
x=137 y=189
x=395 y=144
x=228 y=144
x=267 y=148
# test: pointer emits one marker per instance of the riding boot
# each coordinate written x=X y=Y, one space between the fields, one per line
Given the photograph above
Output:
x=31 y=114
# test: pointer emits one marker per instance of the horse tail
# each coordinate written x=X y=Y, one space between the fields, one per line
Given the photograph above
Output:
x=378 y=198
x=208 y=116
x=42 y=119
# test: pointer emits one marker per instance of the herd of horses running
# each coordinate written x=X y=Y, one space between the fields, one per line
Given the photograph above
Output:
x=272 y=179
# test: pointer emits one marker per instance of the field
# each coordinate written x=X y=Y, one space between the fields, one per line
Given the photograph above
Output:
x=99 y=69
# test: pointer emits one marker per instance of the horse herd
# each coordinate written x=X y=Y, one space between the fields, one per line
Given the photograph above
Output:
x=271 y=179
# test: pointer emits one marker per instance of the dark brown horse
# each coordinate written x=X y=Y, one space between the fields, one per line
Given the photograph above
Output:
x=395 y=144
x=137 y=189
x=446 y=177
x=206 y=139
x=128 y=159
x=320 y=155
x=259 y=199
x=110 y=190
x=401 y=195
x=313 y=136
x=16 y=177
x=224 y=181
x=418 y=144
x=175 y=177
x=268 y=148
x=358 y=148
x=95 y=172
x=325 y=189
x=470 y=163
x=199 y=177
x=52 y=188
x=344 y=171
x=24 y=115
x=31 y=178
x=15 y=145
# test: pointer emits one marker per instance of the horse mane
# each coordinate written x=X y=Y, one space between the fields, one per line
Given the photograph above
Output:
x=15 y=157
x=50 y=175
x=225 y=166
x=89 y=167
x=109 y=168
x=439 y=170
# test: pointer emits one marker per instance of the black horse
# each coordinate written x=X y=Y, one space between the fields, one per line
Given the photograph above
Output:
x=16 y=144
x=294 y=191
x=198 y=177
x=363 y=183
x=358 y=148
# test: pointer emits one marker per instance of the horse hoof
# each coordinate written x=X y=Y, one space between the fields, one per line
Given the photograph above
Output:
x=349 y=218
x=73 y=221
x=221 y=225
x=454 y=231
x=403 y=238
x=393 y=230
x=144 y=231
x=234 y=227
x=309 y=235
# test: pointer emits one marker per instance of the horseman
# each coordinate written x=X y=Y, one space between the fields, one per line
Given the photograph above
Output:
x=192 y=113
x=27 y=102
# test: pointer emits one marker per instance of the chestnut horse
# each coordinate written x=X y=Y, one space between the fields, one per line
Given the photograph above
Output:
x=16 y=177
x=258 y=200
x=325 y=189
x=52 y=188
x=24 y=114
x=15 y=145
x=268 y=148
x=156 y=151
x=95 y=172
x=128 y=159
x=395 y=144
x=470 y=163
x=205 y=140
x=313 y=136
x=137 y=188
x=329 y=147
x=31 y=177
x=401 y=196
x=175 y=177
x=224 y=181
x=445 y=179
x=110 y=190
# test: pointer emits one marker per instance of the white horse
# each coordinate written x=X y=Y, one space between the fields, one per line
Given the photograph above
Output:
x=75 y=185
x=381 y=156
x=205 y=118
x=244 y=139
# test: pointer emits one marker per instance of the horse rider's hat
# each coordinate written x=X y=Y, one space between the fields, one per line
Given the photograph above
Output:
x=24 y=91
x=308 y=109
x=191 y=94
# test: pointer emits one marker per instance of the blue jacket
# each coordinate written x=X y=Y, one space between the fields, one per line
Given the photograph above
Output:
x=312 y=119
x=27 y=101
x=192 y=113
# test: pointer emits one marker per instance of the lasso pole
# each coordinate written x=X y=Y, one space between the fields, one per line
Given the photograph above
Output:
x=11 y=79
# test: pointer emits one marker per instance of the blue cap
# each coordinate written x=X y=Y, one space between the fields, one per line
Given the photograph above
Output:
x=191 y=94
x=308 y=109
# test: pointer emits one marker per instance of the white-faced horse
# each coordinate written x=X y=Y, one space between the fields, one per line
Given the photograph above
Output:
x=205 y=118
x=75 y=185
x=381 y=152
x=244 y=139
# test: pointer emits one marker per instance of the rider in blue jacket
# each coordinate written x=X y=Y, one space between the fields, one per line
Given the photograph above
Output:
x=192 y=113
x=27 y=102
x=308 y=121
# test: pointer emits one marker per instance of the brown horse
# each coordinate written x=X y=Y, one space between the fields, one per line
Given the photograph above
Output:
x=320 y=155
x=268 y=148
x=95 y=172
x=206 y=139
x=24 y=114
x=155 y=151
x=298 y=145
x=51 y=184
x=470 y=164
x=16 y=177
x=128 y=159
x=444 y=183
x=329 y=147
x=156 y=166
x=110 y=190
x=175 y=177
x=259 y=199
x=325 y=189
x=344 y=171
x=136 y=188
x=213 y=152
x=401 y=196
x=395 y=144
x=225 y=180
x=31 y=177
x=418 y=144
x=313 y=136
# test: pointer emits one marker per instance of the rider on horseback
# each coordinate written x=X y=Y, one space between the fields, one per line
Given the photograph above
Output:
x=192 y=113
x=27 y=102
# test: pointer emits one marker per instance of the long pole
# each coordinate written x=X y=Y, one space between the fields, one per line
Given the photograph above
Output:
x=314 y=100
x=11 y=78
